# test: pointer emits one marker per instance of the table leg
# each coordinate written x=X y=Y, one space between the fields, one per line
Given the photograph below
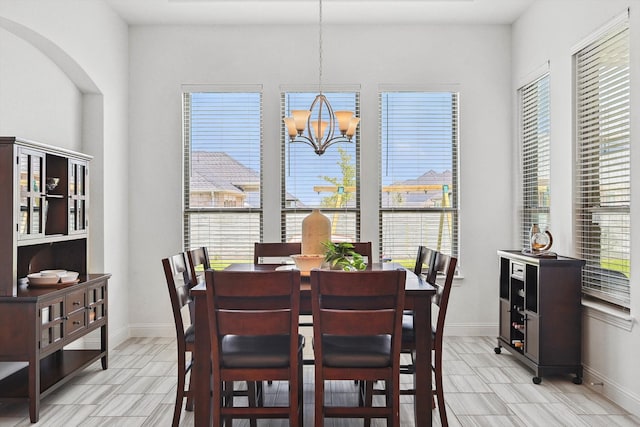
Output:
x=422 y=375
x=201 y=371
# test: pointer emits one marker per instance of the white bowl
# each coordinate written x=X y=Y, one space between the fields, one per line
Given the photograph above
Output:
x=69 y=276
x=39 y=279
x=53 y=273
x=306 y=262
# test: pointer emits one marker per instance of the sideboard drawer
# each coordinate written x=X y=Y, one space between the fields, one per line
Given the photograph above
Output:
x=75 y=322
x=75 y=301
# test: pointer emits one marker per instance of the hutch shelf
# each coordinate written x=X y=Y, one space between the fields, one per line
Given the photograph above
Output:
x=44 y=206
x=540 y=312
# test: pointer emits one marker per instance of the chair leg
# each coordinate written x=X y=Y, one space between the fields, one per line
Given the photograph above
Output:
x=439 y=390
x=319 y=398
x=252 y=397
x=179 y=390
x=368 y=399
x=189 y=405
x=300 y=408
x=217 y=399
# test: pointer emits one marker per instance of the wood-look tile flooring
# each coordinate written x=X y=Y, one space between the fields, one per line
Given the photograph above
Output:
x=481 y=389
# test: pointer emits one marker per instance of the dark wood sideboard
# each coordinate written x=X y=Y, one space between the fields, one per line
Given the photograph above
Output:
x=540 y=312
x=46 y=226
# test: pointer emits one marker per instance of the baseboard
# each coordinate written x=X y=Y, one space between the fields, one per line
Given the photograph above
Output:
x=611 y=390
x=93 y=339
x=152 y=330
x=471 y=330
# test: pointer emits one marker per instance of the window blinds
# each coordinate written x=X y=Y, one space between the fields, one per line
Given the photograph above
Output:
x=222 y=173
x=330 y=182
x=419 y=172
x=603 y=165
x=534 y=136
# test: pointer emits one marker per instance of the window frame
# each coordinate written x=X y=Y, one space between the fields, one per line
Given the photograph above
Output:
x=535 y=155
x=291 y=217
x=452 y=212
x=219 y=256
x=603 y=281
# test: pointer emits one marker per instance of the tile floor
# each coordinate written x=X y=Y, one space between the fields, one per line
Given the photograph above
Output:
x=481 y=389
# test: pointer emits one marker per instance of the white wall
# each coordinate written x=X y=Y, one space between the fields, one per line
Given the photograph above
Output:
x=474 y=59
x=37 y=99
x=63 y=81
x=549 y=31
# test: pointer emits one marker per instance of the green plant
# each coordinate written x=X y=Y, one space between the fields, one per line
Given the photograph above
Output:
x=342 y=255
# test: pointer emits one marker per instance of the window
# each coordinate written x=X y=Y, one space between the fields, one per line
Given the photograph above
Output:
x=534 y=139
x=419 y=171
x=222 y=174
x=603 y=165
x=330 y=182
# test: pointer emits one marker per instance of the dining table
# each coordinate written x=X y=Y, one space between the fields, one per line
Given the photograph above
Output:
x=418 y=294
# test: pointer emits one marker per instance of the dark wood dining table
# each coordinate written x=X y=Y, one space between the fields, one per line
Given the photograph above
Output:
x=418 y=295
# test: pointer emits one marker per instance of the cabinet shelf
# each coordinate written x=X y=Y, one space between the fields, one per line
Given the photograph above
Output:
x=55 y=370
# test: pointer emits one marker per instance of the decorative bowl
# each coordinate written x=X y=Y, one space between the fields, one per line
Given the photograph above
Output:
x=53 y=273
x=38 y=279
x=306 y=262
x=69 y=276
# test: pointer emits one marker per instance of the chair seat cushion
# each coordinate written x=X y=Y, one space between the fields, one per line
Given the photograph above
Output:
x=190 y=334
x=407 y=327
x=270 y=351
x=357 y=351
x=408 y=333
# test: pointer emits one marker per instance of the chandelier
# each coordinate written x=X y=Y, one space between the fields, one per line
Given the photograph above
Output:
x=317 y=125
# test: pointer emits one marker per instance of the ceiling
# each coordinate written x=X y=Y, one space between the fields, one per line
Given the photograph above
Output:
x=150 y=12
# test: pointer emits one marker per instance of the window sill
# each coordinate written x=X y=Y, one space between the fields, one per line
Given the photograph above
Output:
x=605 y=313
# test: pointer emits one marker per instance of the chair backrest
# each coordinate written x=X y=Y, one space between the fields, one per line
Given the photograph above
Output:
x=361 y=303
x=425 y=258
x=179 y=282
x=252 y=303
x=273 y=250
x=198 y=262
x=447 y=265
x=364 y=249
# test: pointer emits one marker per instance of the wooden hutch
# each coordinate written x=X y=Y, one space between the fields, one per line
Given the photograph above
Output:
x=45 y=226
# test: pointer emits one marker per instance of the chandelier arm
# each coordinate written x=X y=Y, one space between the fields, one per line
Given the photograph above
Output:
x=305 y=140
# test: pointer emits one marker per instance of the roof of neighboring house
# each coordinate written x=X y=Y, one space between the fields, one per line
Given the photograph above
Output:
x=216 y=171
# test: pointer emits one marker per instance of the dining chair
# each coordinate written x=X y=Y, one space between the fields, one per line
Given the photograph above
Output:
x=179 y=282
x=425 y=258
x=446 y=265
x=274 y=250
x=253 y=321
x=198 y=262
x=364 y=249
x=357 y=336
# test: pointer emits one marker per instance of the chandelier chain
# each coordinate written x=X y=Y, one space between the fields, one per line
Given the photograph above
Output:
x=320 y=46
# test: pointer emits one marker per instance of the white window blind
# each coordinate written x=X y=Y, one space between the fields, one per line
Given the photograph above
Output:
x=419 y=171
x=603 y=165
x=330 y=182
x=222 y=174
x=534 y=139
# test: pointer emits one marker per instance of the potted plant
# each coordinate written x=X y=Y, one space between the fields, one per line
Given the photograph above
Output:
x=342 y=256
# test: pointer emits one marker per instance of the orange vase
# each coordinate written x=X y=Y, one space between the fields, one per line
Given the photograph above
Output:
x=316 y=229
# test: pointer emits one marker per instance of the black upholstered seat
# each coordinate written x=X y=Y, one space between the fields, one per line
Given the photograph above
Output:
x=269 y=351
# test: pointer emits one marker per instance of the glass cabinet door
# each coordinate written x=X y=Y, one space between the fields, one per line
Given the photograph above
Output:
x=78 y=173
x=32 y=216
